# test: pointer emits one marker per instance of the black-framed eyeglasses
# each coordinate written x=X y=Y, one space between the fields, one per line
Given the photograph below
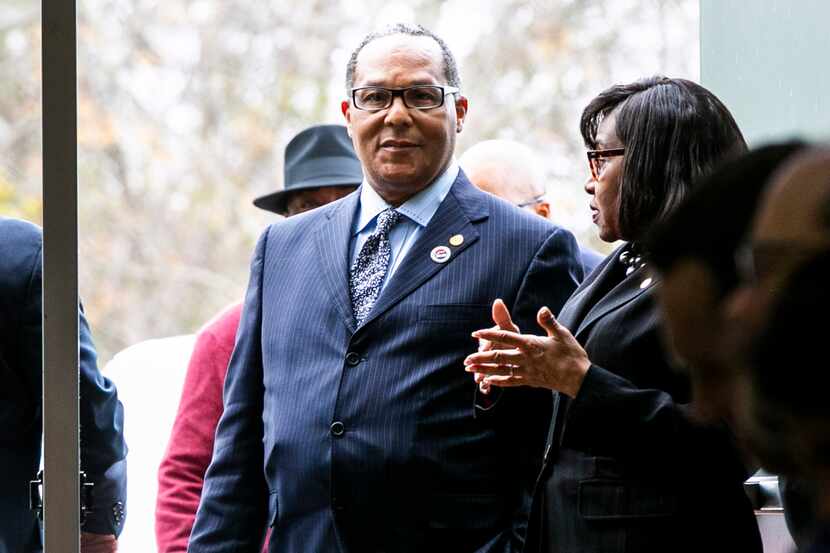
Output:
x=376 y=98
x=533 y=201
x=597 y=160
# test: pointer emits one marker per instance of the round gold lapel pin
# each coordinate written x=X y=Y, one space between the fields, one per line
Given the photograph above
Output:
x=456 y=240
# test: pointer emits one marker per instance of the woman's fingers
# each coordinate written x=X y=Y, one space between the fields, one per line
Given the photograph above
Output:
x=555 y=330
x=497 y=356
x=491 y=368
x=503 y=337
x=505 y=381
x=501 y=316
x=546 y=320
x=484 y=345
x=481 y=372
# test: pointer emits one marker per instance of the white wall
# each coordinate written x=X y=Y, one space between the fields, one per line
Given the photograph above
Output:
x=769 y=61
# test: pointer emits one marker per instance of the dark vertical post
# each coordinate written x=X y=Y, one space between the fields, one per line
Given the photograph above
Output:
x=60 y=279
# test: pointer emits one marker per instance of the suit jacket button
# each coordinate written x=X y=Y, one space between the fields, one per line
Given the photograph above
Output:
x=352 y=358
x=337 y=428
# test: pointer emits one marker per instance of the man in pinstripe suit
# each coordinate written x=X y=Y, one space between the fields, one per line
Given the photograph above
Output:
x=349 y=423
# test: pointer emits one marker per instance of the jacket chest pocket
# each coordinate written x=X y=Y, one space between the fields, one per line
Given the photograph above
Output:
x=609 y=499
x=459 y=317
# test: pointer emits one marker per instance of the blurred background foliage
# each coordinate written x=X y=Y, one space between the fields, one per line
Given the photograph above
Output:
x=185 y=106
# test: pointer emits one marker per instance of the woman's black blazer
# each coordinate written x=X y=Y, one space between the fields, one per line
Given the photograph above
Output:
x=626 y=468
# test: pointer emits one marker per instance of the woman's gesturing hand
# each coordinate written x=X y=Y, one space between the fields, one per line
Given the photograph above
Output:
x=501 y=316
x=507 y=358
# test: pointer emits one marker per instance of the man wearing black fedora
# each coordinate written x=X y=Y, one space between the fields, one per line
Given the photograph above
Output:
x=320 y=167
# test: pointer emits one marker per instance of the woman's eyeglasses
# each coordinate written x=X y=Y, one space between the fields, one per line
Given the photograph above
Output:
x=598 y=159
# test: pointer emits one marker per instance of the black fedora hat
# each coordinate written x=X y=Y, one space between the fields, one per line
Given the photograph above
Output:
x=322 y=155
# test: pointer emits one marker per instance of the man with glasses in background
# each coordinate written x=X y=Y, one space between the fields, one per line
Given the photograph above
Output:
x=512 y=171
x=350 y=423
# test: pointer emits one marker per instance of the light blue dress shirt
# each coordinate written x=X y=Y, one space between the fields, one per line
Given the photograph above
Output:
x=417 y=212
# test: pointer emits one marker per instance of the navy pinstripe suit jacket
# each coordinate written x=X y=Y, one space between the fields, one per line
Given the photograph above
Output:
x=363 y=439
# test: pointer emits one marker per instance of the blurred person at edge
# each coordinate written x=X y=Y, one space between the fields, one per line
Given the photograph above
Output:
x=320 y=167
x=695 y=266
x=785 y=394
x=103 y=450
x=511 y=171
x=627 y=467
x=349 y=423
x=781 y=401
x=698 y=272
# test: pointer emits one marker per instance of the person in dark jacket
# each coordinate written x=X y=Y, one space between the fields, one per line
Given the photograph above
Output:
x=103 y=450
x=627 y=468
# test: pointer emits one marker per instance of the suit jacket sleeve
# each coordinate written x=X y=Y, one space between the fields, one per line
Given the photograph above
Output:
x=182 y=470
x=103 y=450
x=612 y=416
x=101 y=415
x=233 y=509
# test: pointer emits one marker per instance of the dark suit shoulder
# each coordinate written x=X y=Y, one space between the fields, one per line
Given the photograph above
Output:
x=20 y=248
x=518 y=226
x=19 y=227
x=18 y=239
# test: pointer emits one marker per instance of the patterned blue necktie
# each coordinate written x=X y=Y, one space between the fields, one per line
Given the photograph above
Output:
x=369 y=269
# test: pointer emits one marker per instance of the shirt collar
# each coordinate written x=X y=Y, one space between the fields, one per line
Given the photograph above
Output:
x=419 y=208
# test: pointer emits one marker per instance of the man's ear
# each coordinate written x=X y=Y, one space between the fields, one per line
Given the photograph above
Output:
x=345 y=108
x=542 y=209
x=460 y=112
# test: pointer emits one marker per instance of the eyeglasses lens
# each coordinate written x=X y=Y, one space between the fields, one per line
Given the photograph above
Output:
x=417 y=97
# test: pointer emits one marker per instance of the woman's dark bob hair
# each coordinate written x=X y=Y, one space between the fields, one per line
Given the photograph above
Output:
x=673 y=131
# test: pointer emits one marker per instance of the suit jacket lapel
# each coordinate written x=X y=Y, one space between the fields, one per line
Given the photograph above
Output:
x=585 y=296
x=462 y=206
x=626 y=291
x=333 y=242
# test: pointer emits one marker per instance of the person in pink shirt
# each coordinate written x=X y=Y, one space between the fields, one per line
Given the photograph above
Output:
x=320 y=167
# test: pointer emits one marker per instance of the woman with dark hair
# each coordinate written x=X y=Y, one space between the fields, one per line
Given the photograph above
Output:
x=627 y=468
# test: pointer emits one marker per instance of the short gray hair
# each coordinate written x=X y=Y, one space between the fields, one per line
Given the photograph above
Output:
x=450 y=67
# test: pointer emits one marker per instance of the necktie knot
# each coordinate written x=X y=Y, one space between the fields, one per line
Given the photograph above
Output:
x=387 y=219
